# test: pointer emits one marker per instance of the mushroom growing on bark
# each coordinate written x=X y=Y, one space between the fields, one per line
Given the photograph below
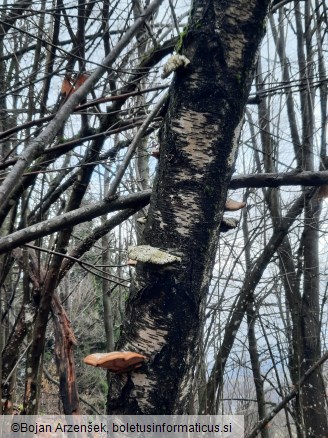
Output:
x=232 y=205
x=116 y=361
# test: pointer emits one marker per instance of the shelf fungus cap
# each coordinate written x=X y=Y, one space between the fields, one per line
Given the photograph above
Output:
x=175 y=62
x=150 y=254
x=232 y=205
x=116 y=361
x=227 y=224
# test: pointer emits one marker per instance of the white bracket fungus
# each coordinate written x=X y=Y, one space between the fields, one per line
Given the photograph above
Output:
x=173 y=64
x=150 y=254
x=227 y=224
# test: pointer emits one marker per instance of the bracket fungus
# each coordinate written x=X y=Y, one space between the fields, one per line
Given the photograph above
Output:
x=232 y=205
x=228 y=223
x=117 y=361
x=175 y=62
x=150 y=254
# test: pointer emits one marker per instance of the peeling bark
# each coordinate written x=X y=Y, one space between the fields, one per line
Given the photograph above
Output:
x=65 y=340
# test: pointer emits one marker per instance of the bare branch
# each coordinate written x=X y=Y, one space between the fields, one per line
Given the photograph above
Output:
x=141 y=199
x=294 y=178
x=72 y=218
x=37 y=145
x=254 y=433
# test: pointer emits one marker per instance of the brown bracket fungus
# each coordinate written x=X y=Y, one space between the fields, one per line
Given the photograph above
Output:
x=232 y=205
x=117 y=361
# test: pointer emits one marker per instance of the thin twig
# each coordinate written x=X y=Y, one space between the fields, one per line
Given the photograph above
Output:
x=260 y=426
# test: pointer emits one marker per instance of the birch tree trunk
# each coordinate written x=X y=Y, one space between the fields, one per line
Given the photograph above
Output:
x=198 y=145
